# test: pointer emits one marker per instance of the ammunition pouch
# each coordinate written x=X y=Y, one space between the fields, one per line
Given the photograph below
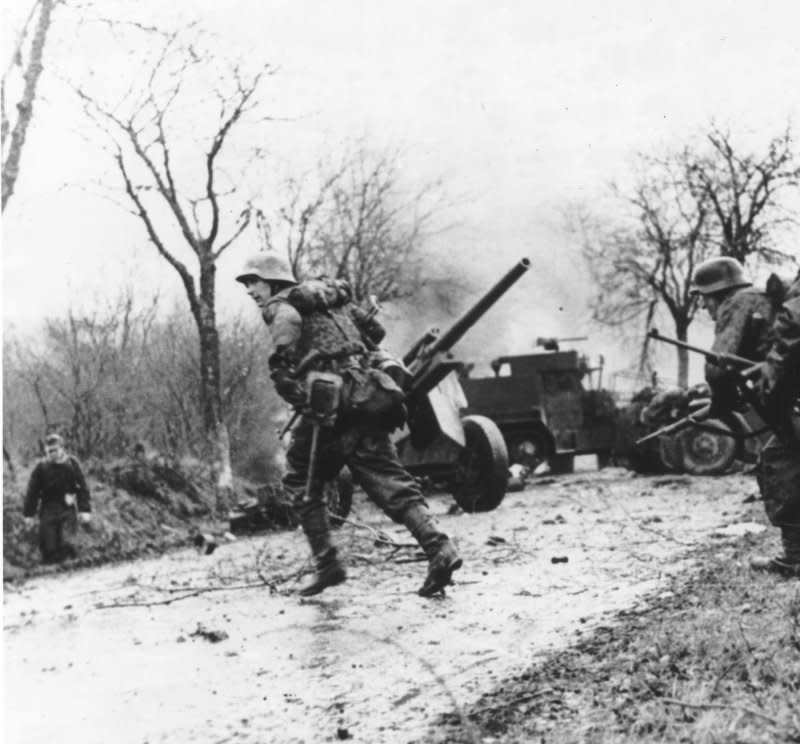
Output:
x=372 y=398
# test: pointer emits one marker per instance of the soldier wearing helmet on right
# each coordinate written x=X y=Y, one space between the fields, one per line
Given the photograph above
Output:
x=746 y=325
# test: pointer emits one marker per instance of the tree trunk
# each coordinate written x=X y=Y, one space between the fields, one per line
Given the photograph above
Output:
x=210 y=388
x=25 y=106
x=681 y=331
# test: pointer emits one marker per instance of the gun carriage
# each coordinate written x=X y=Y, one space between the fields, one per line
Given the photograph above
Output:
x=466 y=453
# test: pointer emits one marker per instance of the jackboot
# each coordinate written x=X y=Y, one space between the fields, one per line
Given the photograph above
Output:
x=442 y=554
x=330 y=571
x=786 y=565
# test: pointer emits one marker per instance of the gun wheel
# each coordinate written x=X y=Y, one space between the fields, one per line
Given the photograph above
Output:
x=482 y=471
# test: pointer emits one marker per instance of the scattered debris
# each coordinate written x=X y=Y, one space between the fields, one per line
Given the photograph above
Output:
x=495 y=540
x=559 y=559
x=212 y=636
x=205 y=543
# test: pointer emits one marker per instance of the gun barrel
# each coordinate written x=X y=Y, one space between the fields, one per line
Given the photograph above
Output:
x=456 y=331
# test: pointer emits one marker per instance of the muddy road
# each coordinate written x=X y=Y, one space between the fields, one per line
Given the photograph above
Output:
x=198 y=648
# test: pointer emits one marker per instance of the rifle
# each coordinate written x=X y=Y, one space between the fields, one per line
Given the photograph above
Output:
x=745 y=367
x=679 y=425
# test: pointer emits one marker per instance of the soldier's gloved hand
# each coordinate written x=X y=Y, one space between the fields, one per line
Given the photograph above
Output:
x=29 y=521
x=291 y=390
x=84 y=517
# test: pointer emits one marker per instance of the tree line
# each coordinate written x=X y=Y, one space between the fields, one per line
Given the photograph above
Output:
x=125 y=376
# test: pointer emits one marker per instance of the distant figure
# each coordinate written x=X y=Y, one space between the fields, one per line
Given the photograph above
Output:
x=57 y=492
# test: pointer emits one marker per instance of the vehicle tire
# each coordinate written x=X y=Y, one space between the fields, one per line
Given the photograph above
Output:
x=339 y=497
x=562 y=464
x=706 y=452
x=482 y=470
x=529 y=448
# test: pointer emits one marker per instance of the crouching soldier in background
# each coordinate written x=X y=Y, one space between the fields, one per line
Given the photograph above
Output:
x=57 y=492
x=318 y=319
x=747 y=325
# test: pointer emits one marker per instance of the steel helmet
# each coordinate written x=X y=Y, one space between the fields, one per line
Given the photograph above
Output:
x=267 y=266
x=718 y=274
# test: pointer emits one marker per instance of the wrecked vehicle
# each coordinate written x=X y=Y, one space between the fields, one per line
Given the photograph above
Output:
x=709 y=447
x=542 y=408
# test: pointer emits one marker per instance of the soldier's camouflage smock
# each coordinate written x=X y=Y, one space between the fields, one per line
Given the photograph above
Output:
x=742 y=328
x=320 y=315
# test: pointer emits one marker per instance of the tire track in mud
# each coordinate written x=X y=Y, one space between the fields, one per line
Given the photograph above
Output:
x=368 y=660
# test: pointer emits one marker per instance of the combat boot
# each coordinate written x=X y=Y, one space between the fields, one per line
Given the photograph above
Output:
x=442 y=554
x=330 y=571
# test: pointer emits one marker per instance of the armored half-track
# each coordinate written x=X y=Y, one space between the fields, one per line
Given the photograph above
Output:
x=543 y=409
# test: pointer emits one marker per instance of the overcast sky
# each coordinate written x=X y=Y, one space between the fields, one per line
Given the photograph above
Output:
x=519 y=106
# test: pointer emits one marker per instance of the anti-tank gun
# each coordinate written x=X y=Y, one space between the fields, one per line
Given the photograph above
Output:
x=469 y=453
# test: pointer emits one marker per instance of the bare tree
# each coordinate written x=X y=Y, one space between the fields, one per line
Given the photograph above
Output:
x=746 y=194
x=83 y=376
x=148 y=143
x=357 y=224
x=646 y=262
x=31 y=66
